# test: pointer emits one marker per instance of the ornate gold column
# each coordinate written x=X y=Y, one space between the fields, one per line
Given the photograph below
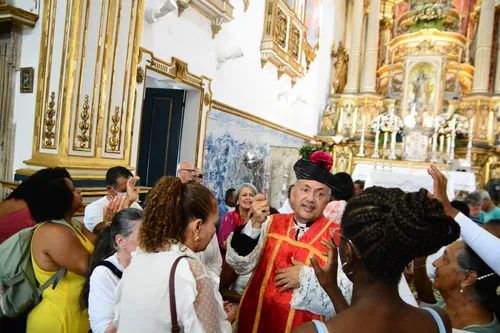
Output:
x=352 y=86
x=371 y=50
x=483 y=49
x=496 y=90
x=86 y=86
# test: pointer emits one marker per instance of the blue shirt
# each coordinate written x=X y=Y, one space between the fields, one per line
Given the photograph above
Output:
x=487 y=216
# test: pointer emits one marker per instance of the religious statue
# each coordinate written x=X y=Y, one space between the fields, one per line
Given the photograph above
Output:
x=422 y=91
x=340 y=67
x=328 y=121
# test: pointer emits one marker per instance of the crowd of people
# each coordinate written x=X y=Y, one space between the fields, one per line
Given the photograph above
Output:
x=333 y=253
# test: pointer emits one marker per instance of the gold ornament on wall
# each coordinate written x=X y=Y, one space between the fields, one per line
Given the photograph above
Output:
x=206 y=99
x=114 y=140
x=216 y=26
x=140 y=75
x=49 y=134
x=294 y=43
x=341 y=66
x=84 y=124
x=280 y=28
x=246 y=3
x=281 y=71
x=182 y=5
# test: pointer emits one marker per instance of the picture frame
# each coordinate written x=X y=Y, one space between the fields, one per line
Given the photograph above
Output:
x=26 y=79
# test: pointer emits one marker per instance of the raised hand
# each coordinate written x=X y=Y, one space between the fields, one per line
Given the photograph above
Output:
x=260 y=210
x=114 y=206
x=230 y=312
x=440 y=186
x=327 y=276
x=132 y=192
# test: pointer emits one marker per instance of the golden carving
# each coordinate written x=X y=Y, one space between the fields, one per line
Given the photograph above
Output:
x=263 y=61
x=280 y=28
x=216 y=26
x=84 y=124
x=140 y=75
x=341 y=66
x=385 y=24
x=281 y=71
x=246 y=3
x=294 y=43
x=294 y=81
x=114 y=140
x=17 y=16
x=206 y=99
x=309 y=52
x=182 y=5
x=180 y=69
x=49 y=134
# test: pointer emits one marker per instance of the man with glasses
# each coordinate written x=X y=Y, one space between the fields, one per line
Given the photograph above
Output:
x=121 y=192
x=186 y=171
x=276 y=247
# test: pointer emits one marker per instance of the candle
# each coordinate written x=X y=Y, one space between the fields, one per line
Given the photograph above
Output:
x=385 y=143
x=339 y=130
x=448 y=145
x=377 y=133
x=471 y=127
x=441 y=144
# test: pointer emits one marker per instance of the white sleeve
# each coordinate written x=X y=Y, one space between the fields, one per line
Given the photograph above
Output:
x=245 y=265
x=93 y=216
x=310 y=296
x=405 y=292
x=103 y=285
x=136 y=205
x=485 y=244
x=212 y=259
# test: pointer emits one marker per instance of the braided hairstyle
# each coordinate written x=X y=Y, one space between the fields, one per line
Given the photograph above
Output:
x=170 y=206
x=390 y=228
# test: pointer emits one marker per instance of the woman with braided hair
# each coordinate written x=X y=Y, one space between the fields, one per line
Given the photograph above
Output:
x=382 y=230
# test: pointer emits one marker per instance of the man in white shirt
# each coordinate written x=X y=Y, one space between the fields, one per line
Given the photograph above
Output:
x=119 y=183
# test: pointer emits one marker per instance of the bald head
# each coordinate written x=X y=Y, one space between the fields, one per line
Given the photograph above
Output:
x=186 y=171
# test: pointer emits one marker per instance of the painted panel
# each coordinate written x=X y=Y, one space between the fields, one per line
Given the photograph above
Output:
x=228 y=139
x=312 y=21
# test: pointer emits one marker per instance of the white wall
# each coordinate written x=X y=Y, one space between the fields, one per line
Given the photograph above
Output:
x=242 y=83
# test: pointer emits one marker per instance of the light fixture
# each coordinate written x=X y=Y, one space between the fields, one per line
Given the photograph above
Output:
x=222 y=58
x=152 y=15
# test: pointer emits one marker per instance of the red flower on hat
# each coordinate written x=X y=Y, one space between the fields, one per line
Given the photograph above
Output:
x=322 y=159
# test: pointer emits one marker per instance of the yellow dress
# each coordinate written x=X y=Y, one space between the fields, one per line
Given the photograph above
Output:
x=59 y=311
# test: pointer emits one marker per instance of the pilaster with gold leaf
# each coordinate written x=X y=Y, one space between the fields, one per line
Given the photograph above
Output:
x=75 y=59
x=113 y=138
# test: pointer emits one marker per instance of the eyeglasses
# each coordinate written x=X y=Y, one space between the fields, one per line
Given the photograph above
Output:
x=336 y=241
x=189 y=170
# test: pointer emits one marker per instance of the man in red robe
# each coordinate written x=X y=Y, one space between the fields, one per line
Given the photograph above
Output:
x=273 y=246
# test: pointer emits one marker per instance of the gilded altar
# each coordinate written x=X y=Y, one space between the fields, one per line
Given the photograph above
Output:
x=422 y=110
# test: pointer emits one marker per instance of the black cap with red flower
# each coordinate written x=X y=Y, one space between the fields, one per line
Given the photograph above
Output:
x=317 y=168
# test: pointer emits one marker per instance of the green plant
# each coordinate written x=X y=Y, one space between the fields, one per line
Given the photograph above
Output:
x=306 y=150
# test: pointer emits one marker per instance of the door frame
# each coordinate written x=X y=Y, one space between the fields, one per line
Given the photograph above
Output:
x=197 y=87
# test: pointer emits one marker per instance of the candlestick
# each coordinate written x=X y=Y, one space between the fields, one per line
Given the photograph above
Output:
x=355 y=121
x=453 y=135
x=362 y=147
x=392 y=155
x=377 y=133
x=384 y=147
x=448 y=147
x=341 y=117
x=434 y=142
x=441 y=146
x=469 y=143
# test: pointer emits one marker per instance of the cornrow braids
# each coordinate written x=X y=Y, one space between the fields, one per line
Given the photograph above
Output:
x=170 y=206
x=390 y=228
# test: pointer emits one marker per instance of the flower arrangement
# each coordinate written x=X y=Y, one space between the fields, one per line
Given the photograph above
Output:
x=430 y=12
x=307 y=150
x=444 y=124
x=430 y=16
x=388 y=123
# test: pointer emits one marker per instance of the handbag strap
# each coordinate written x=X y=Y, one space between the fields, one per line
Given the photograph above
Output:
x=111 y=267
x=171 y=288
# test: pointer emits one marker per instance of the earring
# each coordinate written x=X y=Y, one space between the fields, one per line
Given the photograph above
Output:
x=197 y=238
x=462 y=289
x=343 y=269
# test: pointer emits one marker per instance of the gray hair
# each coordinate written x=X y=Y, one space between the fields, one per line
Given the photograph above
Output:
x=124 y=222
x=477 y=197
x=242 y=186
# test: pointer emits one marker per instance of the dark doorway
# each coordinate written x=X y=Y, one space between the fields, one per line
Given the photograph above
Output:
x=161 y=130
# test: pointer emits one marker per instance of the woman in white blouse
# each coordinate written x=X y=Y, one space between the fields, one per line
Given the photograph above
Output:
x=112 y=254
x=179 y=220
